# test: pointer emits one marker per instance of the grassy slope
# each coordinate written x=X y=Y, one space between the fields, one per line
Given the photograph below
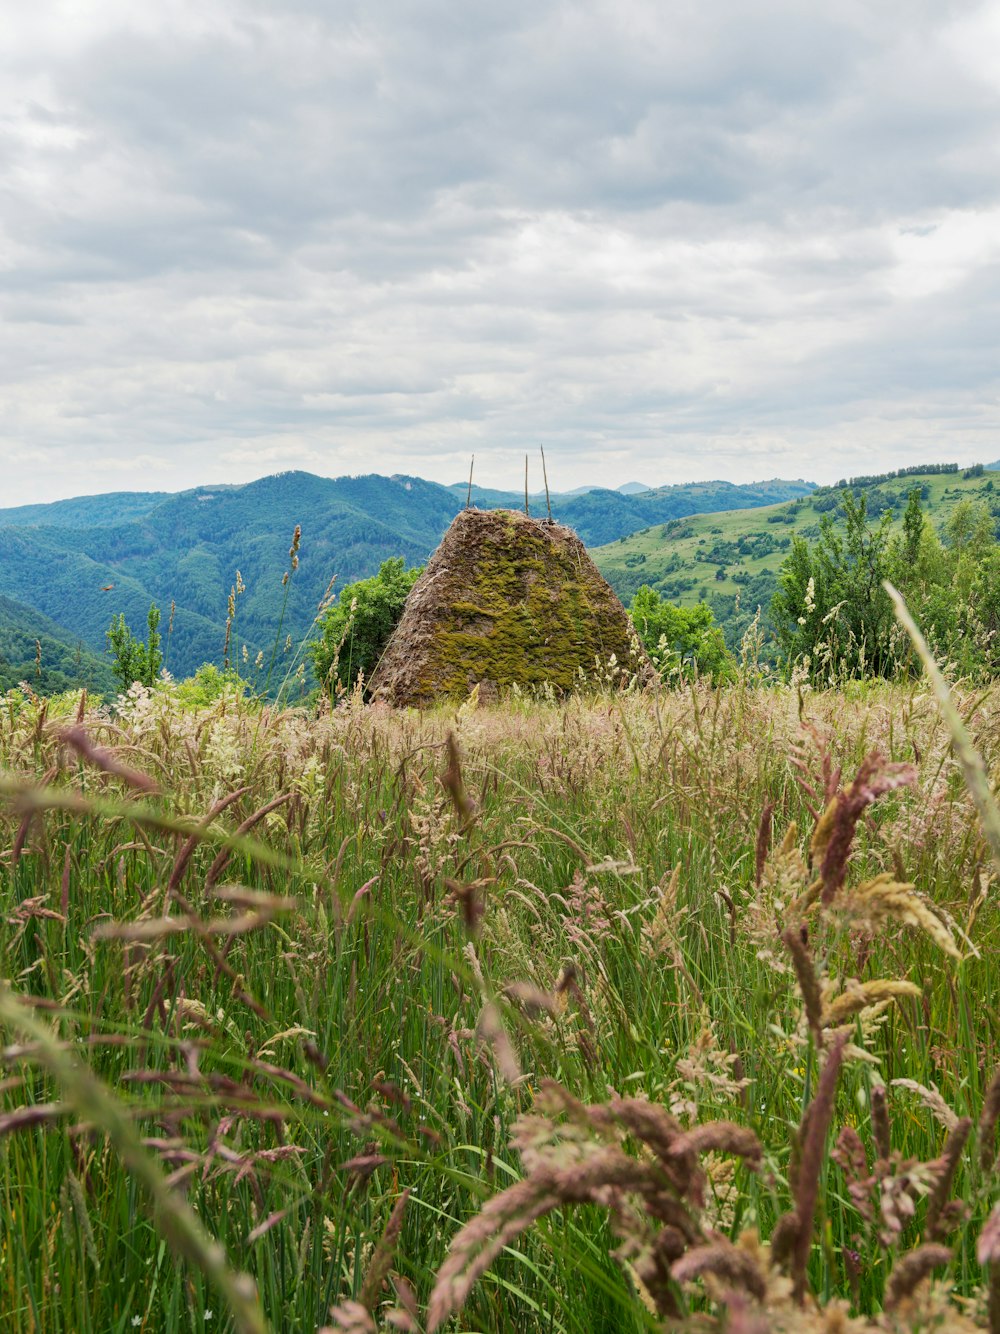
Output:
x=581 y=813
x=671 y=555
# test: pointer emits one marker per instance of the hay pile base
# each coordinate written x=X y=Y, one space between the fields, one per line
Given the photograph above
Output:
x=507 y=600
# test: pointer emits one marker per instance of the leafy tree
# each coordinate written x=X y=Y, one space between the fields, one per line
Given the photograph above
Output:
x=923 y=571
x=971 y=527
x=831 y=609
x=133 y=659
x=830 y=605
x=680 y=640
x=970 y=535
x=913 y=528
x=356 y=629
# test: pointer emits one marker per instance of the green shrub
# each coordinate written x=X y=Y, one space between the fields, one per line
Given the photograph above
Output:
x=356 y=629
x=681 y=640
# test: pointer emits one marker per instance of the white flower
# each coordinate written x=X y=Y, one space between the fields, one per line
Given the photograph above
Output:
x=208 y=1315
x=136 y=1321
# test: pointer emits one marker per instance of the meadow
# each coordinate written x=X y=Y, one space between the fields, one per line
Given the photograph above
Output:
x=623 y=1012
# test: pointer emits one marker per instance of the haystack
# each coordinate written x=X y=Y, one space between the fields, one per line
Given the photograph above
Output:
x=507 y=600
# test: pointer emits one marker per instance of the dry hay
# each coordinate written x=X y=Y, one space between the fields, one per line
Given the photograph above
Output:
x=507 y=600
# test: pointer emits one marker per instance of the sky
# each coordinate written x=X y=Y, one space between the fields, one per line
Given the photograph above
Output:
x=669 y=240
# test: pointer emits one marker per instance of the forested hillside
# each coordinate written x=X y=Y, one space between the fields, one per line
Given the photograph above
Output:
x=82 y=561
x=185 y=553
x=85 y=511
x=50 y=659
x=731 y=561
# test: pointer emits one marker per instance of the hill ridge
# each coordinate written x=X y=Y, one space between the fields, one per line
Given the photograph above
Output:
x=82 y=566
x=730 y=559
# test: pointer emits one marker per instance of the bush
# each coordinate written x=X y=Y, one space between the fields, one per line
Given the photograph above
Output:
x=209 y=684
x=356 y=629
x=681 y=640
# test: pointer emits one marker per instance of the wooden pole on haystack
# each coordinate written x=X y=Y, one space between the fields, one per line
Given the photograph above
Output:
x=548 y=502
x=468 y=498
x=526 y=484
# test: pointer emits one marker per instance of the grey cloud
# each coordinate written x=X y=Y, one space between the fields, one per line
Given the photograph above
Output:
x=381 y=235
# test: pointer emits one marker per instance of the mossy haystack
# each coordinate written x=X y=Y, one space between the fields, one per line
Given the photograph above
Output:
x=505 y=601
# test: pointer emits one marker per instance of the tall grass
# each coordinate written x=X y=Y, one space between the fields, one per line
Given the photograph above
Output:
x=306 y=965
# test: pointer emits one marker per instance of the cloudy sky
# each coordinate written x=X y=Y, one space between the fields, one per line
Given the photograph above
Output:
x=667 y=239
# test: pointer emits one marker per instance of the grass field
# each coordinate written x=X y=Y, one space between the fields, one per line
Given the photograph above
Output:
x=682 y=559
x=320 y=967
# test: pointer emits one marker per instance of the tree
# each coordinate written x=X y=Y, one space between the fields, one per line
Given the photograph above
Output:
x=356 y=629
x=680 y=640
x=830 y=606
x=134 y=660
x=913 y=528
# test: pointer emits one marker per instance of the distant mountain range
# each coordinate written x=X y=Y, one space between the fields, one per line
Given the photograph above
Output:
x=626 y=489
x=78 y=562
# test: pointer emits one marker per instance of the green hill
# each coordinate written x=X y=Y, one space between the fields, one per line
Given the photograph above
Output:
x=85 y=511
x=187 y=549
x=47 y=656
x=599 y=514
x=82 y=561
x=731 y=560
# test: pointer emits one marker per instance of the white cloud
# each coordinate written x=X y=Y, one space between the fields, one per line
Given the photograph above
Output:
x=668 y=242
x=133 y=464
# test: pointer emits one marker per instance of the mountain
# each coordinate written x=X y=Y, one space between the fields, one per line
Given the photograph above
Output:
x=626 y=489
x=85 y=511
x=185 y=552
x=731 y=560
x=82 y=561
x=48 y=657
x=601 y=515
